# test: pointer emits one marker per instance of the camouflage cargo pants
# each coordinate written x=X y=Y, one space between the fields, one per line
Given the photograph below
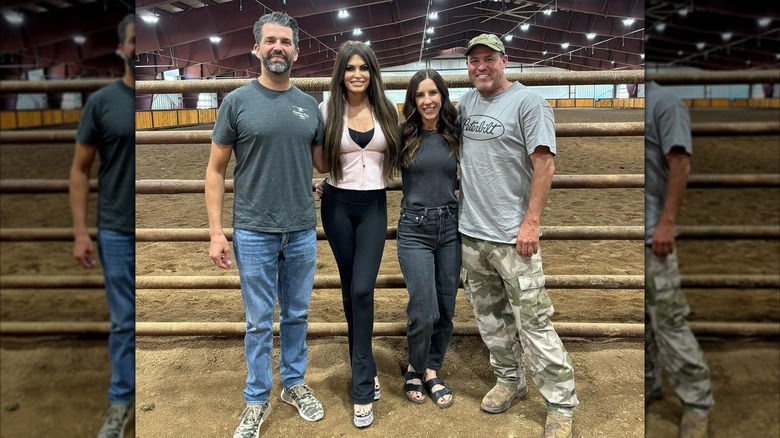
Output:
x=513 y=313
x=667 y=335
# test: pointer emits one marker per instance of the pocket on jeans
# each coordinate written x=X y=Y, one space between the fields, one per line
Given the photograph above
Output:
x=411 y=219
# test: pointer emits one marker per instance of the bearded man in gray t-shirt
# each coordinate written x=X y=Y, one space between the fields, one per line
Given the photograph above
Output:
x=273 y=128
x=507 y=150
x=668 y=147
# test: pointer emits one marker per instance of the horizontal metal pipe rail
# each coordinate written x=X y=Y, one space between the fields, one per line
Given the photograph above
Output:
x=50 y=86
x=397 y=82
x=692 y=77
x=401 y=82
x=324 y=329
x=757 y=281
x=562 y=130
x=320 y=281
x=609 y=232
x=202 y=234
x=624 y=181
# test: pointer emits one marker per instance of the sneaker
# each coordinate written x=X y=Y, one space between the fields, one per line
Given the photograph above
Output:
x=302 y=397
x=251 y=419
x=116 y=420
x=693 y=425
x=377 y=389
x=363 y=419
x=557 y=426
x=499 y=398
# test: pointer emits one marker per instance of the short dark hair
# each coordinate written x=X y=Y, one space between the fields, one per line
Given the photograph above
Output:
x=279 y=18
x=121 y=30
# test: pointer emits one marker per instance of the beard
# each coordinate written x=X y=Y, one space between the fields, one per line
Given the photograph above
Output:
x=277 y=67
x=130 y=64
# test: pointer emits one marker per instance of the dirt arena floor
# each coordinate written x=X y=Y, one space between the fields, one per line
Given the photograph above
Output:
x=192 y=386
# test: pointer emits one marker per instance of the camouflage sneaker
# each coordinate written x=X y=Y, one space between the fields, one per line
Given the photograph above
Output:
x=302 y=397
x=693 y=425
x=499 y=398
x=116 y=420
x=251 y=419
x=557 y=426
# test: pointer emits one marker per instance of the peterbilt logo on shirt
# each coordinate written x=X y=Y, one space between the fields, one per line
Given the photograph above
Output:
x=481 y=127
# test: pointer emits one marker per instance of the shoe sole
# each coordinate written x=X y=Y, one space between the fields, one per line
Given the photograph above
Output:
x=505 y=406
x=363 y=422
x=300 y=410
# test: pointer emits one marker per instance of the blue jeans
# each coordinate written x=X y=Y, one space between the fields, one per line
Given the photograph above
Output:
x=272 y=265
x=429 y=253
x=117 y=256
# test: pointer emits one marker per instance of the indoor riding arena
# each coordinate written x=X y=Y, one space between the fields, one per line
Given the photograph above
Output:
x=190 y=318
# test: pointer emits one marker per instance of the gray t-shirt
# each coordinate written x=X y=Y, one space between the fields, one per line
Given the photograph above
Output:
x=108 y=122
x=498 y=133
x=432 y=178
x=667 y=125
x=272 y=133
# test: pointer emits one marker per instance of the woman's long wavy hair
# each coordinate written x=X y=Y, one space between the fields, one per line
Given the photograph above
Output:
x=384 y=108
x=412 y=129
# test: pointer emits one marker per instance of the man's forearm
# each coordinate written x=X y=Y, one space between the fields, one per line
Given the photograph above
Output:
x=215 y=195
x=78 y=195
x=541 y=182
x=677 y=181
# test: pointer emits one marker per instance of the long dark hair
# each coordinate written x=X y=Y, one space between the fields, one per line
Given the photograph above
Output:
x=385 y=110
x=412 y=130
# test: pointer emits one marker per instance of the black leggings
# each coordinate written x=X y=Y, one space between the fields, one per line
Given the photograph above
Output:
x=355 y=223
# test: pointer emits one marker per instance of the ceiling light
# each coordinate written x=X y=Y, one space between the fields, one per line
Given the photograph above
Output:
x=590 y=36
x=548 y=11
x=683 y=12
x=508 y=38
x=726 y=36
x=343 y=13
x=525 y=27
x=565 y=45
x=13 y=17
x=215 y=39
x=642 y=55
x=544 y=53
x=764 y=22
x=150 y=18
x=612 y=62
x=429 y=30
x=433 y=15
x=660 y=26
x=628 y=21
x=356 y=31
x=368 y=43
x=700 y=45
x=428 y=41
x=79 y=39
x=679 y=53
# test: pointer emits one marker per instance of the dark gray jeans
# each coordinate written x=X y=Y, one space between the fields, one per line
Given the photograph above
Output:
x=429 y=253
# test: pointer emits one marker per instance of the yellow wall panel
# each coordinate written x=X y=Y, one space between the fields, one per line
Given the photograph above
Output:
x=29 y=119
x=162 y=119
x=8 y=120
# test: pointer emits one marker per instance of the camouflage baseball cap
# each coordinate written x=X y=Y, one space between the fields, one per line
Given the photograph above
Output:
x=486 y=39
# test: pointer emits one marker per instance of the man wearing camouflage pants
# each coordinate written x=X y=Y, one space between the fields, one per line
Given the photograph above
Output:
x=668 y=148
x=507 y=150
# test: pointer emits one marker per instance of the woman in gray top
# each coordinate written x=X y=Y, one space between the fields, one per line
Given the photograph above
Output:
x=428 y=241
